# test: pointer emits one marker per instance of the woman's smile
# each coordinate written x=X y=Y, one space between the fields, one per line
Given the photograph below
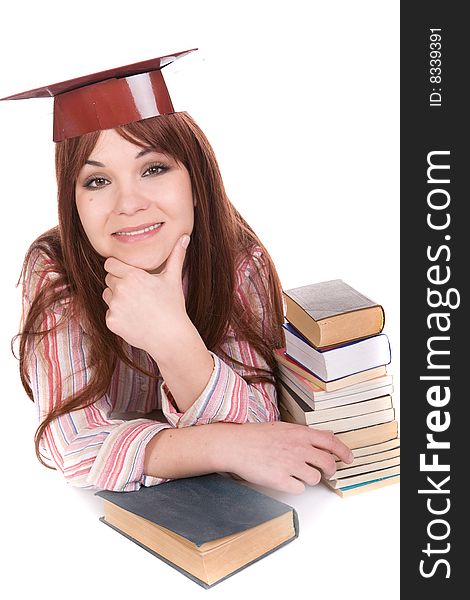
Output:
x=131 y=235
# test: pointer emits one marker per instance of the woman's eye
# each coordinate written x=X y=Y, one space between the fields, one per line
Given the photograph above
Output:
x=154 y=170
x=96 y=182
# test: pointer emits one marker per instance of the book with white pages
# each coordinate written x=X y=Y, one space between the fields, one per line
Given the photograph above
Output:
x=358 y=422
x=340 y=361
x=366 y=468
x=305 y=416
x=318 y=393
x=369 y=453
x=363 y=477
x=366 y=390
x=370 y=459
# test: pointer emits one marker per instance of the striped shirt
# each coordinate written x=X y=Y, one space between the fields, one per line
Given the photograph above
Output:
x=103 y=446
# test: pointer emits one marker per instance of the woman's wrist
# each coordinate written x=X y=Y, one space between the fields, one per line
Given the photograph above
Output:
x=190 y=451
x=162 y=347
x=185 y=364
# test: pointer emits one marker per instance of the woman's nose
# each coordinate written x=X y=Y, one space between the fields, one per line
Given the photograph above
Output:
x=129 y=199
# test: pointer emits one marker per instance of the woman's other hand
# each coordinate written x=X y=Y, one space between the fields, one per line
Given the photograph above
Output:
x=283 y=456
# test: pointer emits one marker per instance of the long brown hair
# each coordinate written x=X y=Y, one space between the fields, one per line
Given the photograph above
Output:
x=219 y=237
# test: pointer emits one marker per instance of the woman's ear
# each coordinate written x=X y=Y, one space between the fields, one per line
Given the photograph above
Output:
x=194 y=201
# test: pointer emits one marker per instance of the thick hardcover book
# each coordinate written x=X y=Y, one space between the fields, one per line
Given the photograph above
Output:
x=340 y=361
x=206 y=527
x=333 y=312
x=284 y=359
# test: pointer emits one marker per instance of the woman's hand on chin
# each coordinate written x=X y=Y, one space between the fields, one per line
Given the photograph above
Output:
x=145 y=308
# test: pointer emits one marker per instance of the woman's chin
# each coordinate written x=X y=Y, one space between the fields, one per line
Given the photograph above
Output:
x=156 y=269
x=146 y=264
x=150 y=266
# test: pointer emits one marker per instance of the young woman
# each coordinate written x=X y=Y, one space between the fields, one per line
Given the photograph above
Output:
x=154 y=293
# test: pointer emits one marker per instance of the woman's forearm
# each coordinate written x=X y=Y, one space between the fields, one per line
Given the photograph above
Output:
x=185 y=364
x=189 y=451
x=279 y=455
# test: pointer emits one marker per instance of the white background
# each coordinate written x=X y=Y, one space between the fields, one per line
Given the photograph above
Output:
x=300 y=101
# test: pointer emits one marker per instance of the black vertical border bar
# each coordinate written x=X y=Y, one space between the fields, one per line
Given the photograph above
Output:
x=434 y=568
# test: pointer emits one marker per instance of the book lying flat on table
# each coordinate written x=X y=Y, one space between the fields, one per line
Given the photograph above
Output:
x=206 y=527
x=345 y=474
x=371 y=453
x=365 y=477
x=282 y=358
x=338 y=361
x=346 y=424
x=367 y=436
x=358 y=488
x=304 y=415
x=332 y=312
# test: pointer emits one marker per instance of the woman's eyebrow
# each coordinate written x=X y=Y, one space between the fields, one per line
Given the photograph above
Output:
x=149 y=150
x=143 y=152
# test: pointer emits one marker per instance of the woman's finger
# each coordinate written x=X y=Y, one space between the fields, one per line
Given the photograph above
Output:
x=328 y=441
x=323 y=461
x=107 y=295
x=118 y=268
x=308 y=473
x=111 y=280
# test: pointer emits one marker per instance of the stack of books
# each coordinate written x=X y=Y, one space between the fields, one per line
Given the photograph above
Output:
x=333 y=374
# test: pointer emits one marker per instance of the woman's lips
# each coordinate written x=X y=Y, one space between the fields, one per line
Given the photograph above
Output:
x=137 y=234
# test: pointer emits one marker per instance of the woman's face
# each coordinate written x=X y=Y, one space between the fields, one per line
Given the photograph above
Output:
x=134 y=203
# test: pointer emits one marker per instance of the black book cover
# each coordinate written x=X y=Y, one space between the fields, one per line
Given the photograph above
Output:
x=201 y=509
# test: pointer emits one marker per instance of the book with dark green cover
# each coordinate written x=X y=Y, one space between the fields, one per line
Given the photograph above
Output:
x=197 y=512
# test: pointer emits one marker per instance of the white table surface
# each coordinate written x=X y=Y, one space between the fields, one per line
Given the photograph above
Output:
x=55 y=546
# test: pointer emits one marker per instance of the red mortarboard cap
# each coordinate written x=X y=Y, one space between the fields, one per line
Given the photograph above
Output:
x=108 y=99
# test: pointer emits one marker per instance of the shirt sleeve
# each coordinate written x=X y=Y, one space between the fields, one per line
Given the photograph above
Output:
x=91 y=449
x=227 y=397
